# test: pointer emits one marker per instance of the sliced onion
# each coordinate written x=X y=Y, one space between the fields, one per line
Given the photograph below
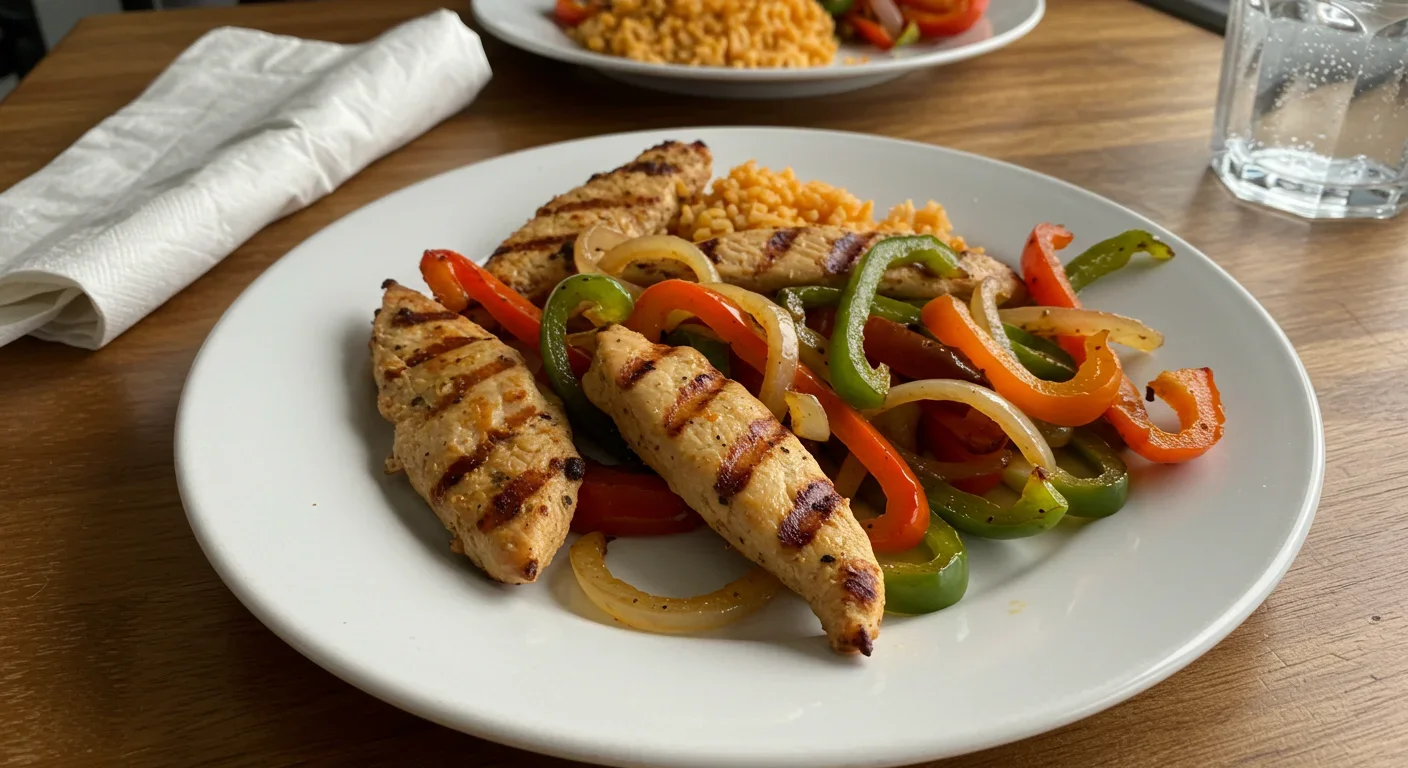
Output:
x=585 y=341
x=815 y=351
x=808 y=418
x=1014 y=423
x=659 y=248
x=783 y=351
x=849 y=477
x=985 y=314
x=889 y=16
x=666 y=615
x=592 y=244
x=1060 y=321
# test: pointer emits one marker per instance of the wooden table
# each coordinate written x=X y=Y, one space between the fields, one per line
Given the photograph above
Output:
x=118 y=644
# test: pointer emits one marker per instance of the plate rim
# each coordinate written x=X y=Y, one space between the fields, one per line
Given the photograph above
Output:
x=582 y=57
x=514 y=733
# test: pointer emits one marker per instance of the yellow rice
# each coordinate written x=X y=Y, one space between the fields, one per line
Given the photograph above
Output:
x=715 y=33
x=750 y=197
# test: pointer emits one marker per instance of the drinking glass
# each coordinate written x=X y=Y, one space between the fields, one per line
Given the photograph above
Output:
x=1312 y=110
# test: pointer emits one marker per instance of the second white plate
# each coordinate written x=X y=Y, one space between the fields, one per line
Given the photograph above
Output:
x=528 y=24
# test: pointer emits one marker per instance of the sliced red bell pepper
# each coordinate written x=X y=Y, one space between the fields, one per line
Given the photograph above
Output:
x=618 y=502
x=1190 y=391
x=938 y=436
x=573 y=12
x=943 y=18
x=1069 y=403
x=1046 y=277
x=873 y=33
x=1193 y=395
x=914 y=356
x=906 y=515
x=975 y=432
x=455 y=281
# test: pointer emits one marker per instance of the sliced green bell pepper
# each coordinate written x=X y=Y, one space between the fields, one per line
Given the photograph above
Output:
x=1039 y=508
x=1107 y=256
x=1099 y=496
x=851 y=375
x=1042 y=357
x=797 y=300
x=611 y=303
x=837 y=7
x=712 y=348
x=915 y=588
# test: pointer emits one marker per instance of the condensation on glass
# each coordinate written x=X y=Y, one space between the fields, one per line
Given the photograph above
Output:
x=1312 y=113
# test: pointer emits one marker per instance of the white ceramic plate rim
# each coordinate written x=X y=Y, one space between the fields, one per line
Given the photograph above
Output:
x=518 y=732
x=574 y=54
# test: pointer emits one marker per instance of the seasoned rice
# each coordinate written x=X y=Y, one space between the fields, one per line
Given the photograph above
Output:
x=751 y=197
x=714 y=33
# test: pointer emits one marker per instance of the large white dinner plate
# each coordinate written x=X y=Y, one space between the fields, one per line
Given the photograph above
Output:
x=279 y=451
x=528 y=24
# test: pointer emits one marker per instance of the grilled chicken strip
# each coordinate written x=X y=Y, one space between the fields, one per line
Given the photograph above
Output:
x=640 y=198
x=723 y=452
x=765 y=260
x=479 y=442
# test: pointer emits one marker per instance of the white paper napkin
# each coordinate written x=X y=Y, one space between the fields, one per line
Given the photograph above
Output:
x=243 y=128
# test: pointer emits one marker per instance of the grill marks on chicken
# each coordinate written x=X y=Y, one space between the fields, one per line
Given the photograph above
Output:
x=748 y=476
x=766 y=260
x=641 y=197
x=490 y=454
x=746 y=454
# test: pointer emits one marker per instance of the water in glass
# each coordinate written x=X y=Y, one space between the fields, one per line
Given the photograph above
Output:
x=1312 y=113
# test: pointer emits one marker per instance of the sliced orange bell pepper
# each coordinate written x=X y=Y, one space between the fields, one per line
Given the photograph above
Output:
x=455 y=281
x=1190 y=391
x=906 y=515
x=1068 y=403
x=1193 y=395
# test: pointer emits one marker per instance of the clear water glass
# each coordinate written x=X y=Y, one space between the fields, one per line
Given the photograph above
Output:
x=1312 y=111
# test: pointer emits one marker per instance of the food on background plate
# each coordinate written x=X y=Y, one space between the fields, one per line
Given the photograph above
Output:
x=791 y=386
x=717 y=33
x=757 y=33
x=491 y=455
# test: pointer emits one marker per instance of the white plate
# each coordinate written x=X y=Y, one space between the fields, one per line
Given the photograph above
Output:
x=279 y=450
x=528 y=24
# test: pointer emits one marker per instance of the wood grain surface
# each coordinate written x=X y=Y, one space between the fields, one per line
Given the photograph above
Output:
x=119 y=646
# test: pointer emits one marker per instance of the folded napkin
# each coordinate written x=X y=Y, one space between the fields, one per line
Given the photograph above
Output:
x=243 y=128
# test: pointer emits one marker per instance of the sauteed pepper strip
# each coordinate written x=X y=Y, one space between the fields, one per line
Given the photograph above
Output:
x=1044 y=359
x=1190 y=391
x=1099 y=496
x=851 y=375
x=619 y=502
x=906 y=515
x=611 y=303
x=455 y=281
x=1039 y=508
x=1193 y=395
x=1069 y=403
x=1041 y=357
x=1112 y=255
x=914 y=588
